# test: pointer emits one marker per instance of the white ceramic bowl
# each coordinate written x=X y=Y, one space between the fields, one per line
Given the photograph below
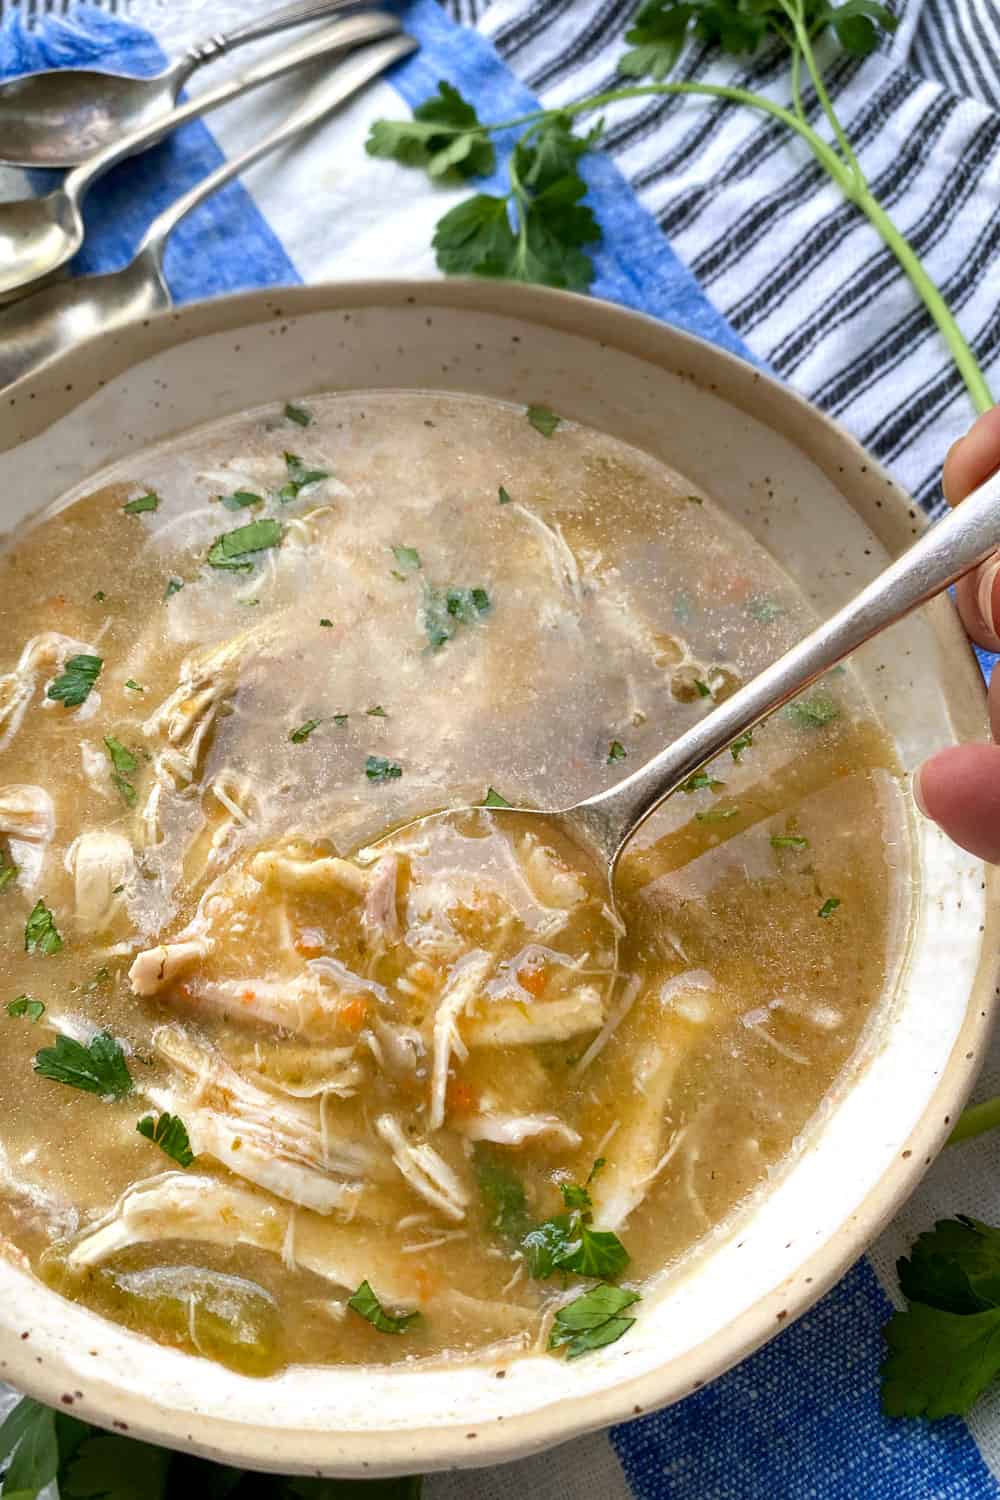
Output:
x=833 y=518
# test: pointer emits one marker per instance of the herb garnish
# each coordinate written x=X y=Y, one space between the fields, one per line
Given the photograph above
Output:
x=26 y=1005
x=303 y=732
x=40 y=932
x=169 y=1133
x=593 y=1320
x=143 y=503
x=298 y=414
x=764 y=611
x=174 y=586
x=717 y=814
x=340 y=720
x=814 y=712
x=298 y=477
x=543 y=420
x=829 y=906
x=327 y=624
x=123 y=764
x=100 y=596
x=504 y=1195
x=377 y=768
x=378 y=712
x=494 y=799
x=73 y=685
x=616 y=751
x=234 y=549
x=134 y=687
x=503 y=497
x=703 y=689
x=367 y=1304
x=97 y=1068
x=566 y=1242
x=240 y=500
x=8 y=870
x=407 y=557
x=788 y=841
x=446 y=609
x=741 y=743
x=699 y=782
x=444 y=135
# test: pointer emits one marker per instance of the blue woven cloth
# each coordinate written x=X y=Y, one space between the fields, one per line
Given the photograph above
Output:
x=800 y=1420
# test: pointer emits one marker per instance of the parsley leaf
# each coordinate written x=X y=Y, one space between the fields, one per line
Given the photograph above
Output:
x=575 y=1196
x=503 y=497
x=378 y=712
x=446 y=609
x=741 y=743
x=829 y=906
x=169 y=1133
x=701 y=781
x=174 y=586
x=134 y=687
x=114 y=1468
x=25 y=1005
x=593 y=1320
x=543 y=420
x=616 y=751
x=367 y=1304
x=97 y=1068
x=298 y=477
x=298 y=414
x=73 y=685
x=407 y=557
x=143 y=503
x=241 y=500
x=717 y=814
x=703 y=689
x=234 y=549
x=377 y=768
x=121 y=758
x=29 y=1432
x=445 y=136
x=494 y=799
x=662 y=26
x=40 y=933
x=813 y=713
x=503 y=1193
x=8 y=871
x=300 y=735
x=657 y=36
x=788 y=841
x=327 y=624
x=340 y=720
x=955 y=1266
x=567 y=1243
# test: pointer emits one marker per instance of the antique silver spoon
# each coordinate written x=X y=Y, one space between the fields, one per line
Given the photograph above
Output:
x=602 y=826
x=38 y=235
x=38 y=327
x=59 y=117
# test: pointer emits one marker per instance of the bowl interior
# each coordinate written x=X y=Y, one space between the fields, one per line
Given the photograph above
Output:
x=833 y=519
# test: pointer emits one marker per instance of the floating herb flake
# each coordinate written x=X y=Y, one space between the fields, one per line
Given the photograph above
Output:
x=141 y=504
x=503 y=497
x=327 y=624
x=8 y=871
x=701 y=781
x=298 y=736
x=169 y=1133
x=367 y=1304
x=543 y=419
x=99 y=1067
x=100 y=596
x=717 y=814
x=174 y=586
x=741 y=743
x=494 y=799
x=829 y=906
x=407 y=557
x=704 y=691
x=378 y=712
x=788 y=841
x=234 y=550
x=299 y=475
x=446 y=609
x=74 y=683
x=815 y=712
x=340 y=720
x=26 y=1005
x=616 y=751
x=377 y=768
x=134 y=687
x=593 y=1320
x=40 y=932
x=241 y=500
x=298 y=414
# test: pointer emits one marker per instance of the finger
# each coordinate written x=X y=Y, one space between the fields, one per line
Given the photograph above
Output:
x=970 y=462
x=959 y=788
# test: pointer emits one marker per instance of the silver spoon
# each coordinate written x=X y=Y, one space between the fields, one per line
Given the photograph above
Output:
x=38 y=327
x=38 y=235
x=601 y=826
x=61 y=116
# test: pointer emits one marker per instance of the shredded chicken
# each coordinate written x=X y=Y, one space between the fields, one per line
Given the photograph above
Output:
x=425 y=1171
x=380 y=917
x=551 y=883
x=102 y=865
x=27 y=817
x=44 y=655
x=314 y=877
x=509 y=1023
x=514 y=1130
x=154 y=969
x=465 y=983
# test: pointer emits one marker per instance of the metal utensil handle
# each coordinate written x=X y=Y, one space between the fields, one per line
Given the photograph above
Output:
x=964 y=538
x=349 y=32
x=351 y=75
x=279 y=20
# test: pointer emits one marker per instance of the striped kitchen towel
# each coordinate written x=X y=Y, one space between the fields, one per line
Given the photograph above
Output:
x=714 y=220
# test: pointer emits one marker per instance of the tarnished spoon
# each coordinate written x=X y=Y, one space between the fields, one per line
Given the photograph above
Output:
x=601 y=826
x=59 y=117
x=38 y=235
x=38 y=327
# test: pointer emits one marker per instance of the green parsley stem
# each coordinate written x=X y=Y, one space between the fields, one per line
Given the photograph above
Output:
x=976 y=1120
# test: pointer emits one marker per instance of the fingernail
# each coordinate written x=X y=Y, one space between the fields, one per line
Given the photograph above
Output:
x=984 y=595
x=917 y=790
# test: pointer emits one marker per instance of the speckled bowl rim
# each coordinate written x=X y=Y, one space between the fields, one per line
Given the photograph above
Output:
x=30 y=406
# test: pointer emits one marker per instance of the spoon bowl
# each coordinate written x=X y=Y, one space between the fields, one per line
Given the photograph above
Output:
x=37 y=236
x=61 y=116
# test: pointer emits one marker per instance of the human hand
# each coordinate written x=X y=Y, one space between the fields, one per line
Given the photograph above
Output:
x=960 y=787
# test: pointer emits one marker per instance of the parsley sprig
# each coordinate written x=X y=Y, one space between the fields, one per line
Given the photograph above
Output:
x=96 y=1067
x=541 y=230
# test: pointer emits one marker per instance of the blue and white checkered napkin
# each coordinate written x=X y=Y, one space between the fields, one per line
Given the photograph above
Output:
x=799 y=1420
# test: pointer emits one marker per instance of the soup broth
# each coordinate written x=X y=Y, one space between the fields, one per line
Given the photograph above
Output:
x=281 y=1085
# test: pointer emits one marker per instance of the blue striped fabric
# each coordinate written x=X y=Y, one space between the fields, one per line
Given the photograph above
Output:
x=800 y=1420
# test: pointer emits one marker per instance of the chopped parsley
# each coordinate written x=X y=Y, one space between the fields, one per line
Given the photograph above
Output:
x=408 y=558
x=8 y=871
x=444 y=135
x=100 y=596
x=97 y=1068
x=568 y=1243
x=73 y=685
x=340 y=720
x=503 y=497
x=813 y=713
x=298 y=736
x=299 y=475
x=765 y=611
x=741 y=743
x=694 y=499
x=494 y=799
x=717 y=814
x=445 y=610
x=141 y=504
x=26 y=1005
x=543 y=419
x=298 y=414
x=829 y=906
x=123 y=763
x=503 y=1193
x=378 y=712
x=377 y=768
x=593 y=1320
x=40 y=933
x=616 y=751
x=134 y=687
x=699 y=782
x=788 y=841
x=327 y=624
x=241 y=500
x=169 y=1133
x=704 y=691
x=234 y=550
x=367 y=1304
x=174 y=586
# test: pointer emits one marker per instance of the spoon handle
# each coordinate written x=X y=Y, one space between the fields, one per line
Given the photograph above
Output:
x=220 y=43
x=947 y=550
x=350 y=76
x=339 y=35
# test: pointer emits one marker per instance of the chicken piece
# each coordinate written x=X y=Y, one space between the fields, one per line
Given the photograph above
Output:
x=639 y=1153
x=27 y=817
x=559 y=554
x=155 y=968
x=464 y=984
x=313 y=877
x=514 y=1130
x=102 y=865
x=307 y=1072
x=194 y=1208
x=184 y=719
x=44 y=654
x=303 y=1004
x=509 y=1023
x=552 y=884
x=380 y=917
x=425 y=1171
